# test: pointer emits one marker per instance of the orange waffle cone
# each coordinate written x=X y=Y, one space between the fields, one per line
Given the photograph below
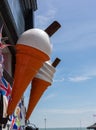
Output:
x=28 y=62
x=37 y=90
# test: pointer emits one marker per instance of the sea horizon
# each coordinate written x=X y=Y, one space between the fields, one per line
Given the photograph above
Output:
x=64 y=128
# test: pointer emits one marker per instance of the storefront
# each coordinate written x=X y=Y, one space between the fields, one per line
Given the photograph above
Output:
x=16 y=16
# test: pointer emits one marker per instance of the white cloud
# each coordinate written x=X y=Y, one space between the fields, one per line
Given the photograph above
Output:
x=44 y=19
x=49 y=96
x=76 y=37
x=90 y=70
x=70 y=111
x=84 y=73
x=87 y=72
x=78 y=78
x=59 y=80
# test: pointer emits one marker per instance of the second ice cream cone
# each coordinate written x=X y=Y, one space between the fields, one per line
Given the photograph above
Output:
x=38 y=88
x=42 y=80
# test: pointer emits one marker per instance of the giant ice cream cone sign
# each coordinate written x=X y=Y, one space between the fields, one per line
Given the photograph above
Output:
x=33 y=48
x=40 y=83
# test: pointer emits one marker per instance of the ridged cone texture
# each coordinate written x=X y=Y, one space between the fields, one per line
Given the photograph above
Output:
x=28 y=61
x=38 y=88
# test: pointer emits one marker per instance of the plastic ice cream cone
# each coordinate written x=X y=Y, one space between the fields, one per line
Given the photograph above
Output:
x=42 y=80
x=32 y=50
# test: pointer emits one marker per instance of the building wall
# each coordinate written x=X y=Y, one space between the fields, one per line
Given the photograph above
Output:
x=17 y=15
x=16 y=19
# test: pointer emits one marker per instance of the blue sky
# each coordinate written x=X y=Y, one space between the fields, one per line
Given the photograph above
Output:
x=71 y=100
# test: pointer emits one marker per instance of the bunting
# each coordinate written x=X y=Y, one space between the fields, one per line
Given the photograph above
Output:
x=16 y=118
x=5 y=88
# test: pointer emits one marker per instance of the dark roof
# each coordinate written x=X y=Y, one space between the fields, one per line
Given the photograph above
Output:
x=9 y=17
x=92 y=126
x=29 y=4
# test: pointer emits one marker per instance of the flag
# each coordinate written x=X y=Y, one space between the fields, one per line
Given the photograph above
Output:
x=20 y=106
x=15 y=121
x=5 y=87
x=12 y=118
x=16 y=117
x=22 y=112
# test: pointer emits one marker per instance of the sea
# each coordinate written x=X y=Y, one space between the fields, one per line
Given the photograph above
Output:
x=73 y=128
